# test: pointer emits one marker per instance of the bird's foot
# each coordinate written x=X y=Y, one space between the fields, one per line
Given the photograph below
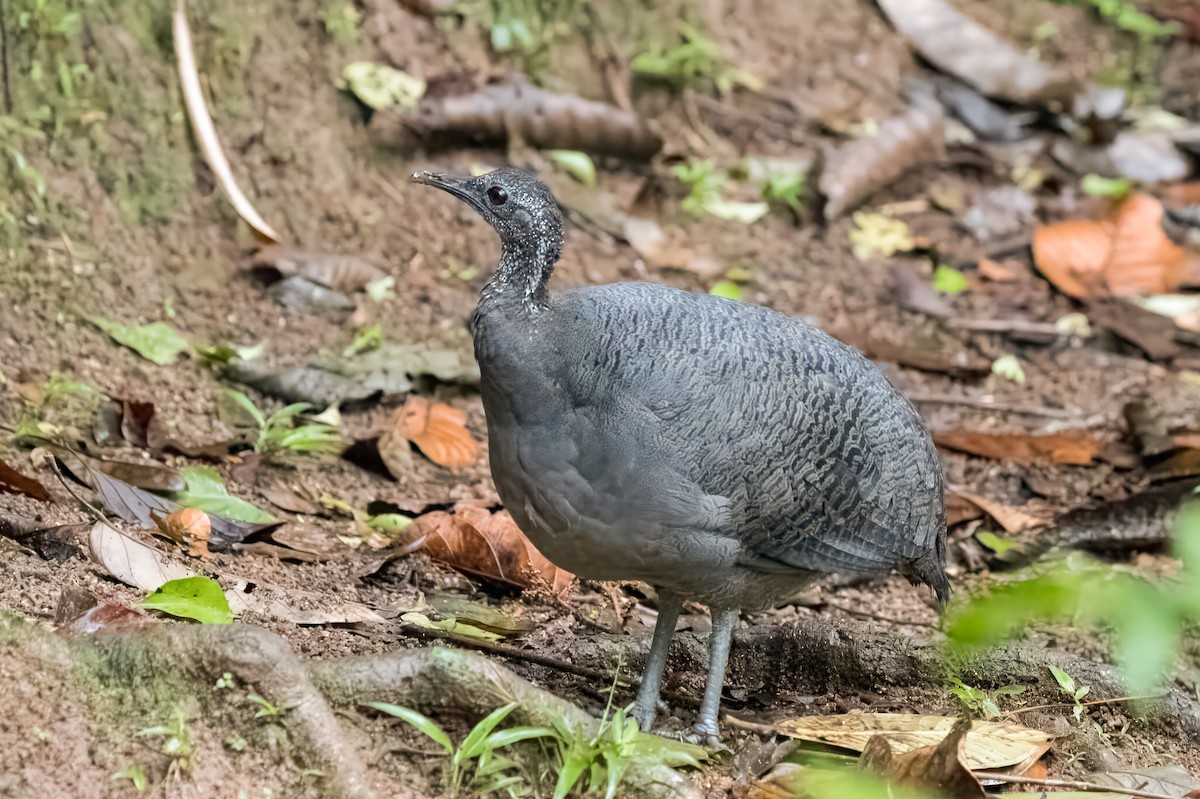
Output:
x=704 y=733
x=644 y=715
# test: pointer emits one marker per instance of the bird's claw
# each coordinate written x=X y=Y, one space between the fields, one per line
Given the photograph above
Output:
x=703 y=734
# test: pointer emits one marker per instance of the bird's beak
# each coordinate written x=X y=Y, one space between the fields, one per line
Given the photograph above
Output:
x=451 y=184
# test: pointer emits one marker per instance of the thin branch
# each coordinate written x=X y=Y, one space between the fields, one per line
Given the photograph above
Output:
x=1009 y=326
x=1112 y=701
x=992 y=404
x=1090 y=787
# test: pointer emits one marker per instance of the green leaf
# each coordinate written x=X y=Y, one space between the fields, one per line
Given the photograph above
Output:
x=157 y=342
x=1065 y=681
x=512 y=735
x=206 y=492
x=382 y=289
x=734 y=211
x=1009 y=367
x=573 y=766
x=199 y=598
x=423 y=723
x=473 y=744
x=381 y=87
x=246 y=404
x=727 y=289
x=948 y=280
x=579 y=165
x=1007 y=609
x=994 y=542
x=1114 y=188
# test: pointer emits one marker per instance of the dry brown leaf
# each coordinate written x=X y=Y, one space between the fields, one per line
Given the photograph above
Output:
x=1078 y=447
x=1124 y=255
x=1012 y=519
x=999 y=272
x=478 y=542
x=13 y=482
x=439 y=431
x=331 y=270
x=187 y=527
x=960 y=509
x=662 y=250
x=959 y=45
x=937 y=768
x=862 y=167
x=988 y=744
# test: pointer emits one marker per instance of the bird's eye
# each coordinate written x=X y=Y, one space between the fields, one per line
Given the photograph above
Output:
x=497 y=195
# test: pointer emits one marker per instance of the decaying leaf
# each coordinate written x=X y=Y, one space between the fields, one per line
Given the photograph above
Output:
x=988 y=744
x=389 y=370
x=479 y=615
x=130 y=561
x=104 y=618
x=515 y=107
x=864 y=166
x=937 y=768
x=141 y=426
x=1174 y=781
x=297 y=607
x=331 y=270
x=188 y=527
x=1124 y=255
x=1012 y=519
x=438 y=430
x=13 y=482
x=478 y=542
x=1152 y=333
x=959 y=45
x=1079 y=446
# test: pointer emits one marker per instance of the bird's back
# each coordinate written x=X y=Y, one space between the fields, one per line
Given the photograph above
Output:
x=642 y=405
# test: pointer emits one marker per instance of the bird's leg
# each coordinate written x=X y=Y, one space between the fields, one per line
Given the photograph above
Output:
x=646 y=705
x=706 y=728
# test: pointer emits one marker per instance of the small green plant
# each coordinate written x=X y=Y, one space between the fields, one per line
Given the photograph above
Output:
x=979 y=701
x=279 y=431
x=1125 y=15
x=224 y=681
x=706 y=193
x=366 y=339
x=265 y=708
x=177 y=740
x=786 y=188
x=475 y=763
x=134 y=773
x=236 y=742
x=1066 y=684
x=341 y=20
x=526 y=28
x=694 y=61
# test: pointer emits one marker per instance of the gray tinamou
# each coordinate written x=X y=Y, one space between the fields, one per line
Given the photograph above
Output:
x=718 y=451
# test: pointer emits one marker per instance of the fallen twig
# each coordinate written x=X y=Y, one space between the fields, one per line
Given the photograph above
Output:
x=992 y=404
x=1056 y=705
x=1089 y=787
x=206 y=132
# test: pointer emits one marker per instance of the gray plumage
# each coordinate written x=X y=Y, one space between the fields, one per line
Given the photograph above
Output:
x=719 y=451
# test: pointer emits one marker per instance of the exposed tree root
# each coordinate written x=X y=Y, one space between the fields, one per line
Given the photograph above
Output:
x=199 y=654
x=815 y=655
x=455 y=680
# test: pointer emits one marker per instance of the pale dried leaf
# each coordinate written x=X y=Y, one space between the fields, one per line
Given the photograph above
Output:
x=936 y=768
x=331 y=270
x=988 y=745
x=130 y=561
x=959 y=45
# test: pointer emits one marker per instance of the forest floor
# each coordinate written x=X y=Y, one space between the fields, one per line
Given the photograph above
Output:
x=132 y=228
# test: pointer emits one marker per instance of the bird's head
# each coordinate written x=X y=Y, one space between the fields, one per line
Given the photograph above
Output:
x=519 y=206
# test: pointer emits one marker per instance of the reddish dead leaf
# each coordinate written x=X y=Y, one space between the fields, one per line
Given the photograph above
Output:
x=106 y=618
x=478 y=542
x=938 y=769
x=1011 y=518
x=1124 y=255
x=141 y=426
x=960 y=509
x=1006 y=272
x=13 y=482
x=1078 y=447
x=187 y=527
x=439 y=431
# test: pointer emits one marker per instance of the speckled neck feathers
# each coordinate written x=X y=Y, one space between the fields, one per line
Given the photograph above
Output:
x=526 y=263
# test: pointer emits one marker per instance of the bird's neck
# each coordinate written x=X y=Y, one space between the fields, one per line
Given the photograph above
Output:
x=519 y=284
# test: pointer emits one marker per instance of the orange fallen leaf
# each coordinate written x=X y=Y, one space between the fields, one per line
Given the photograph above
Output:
x=1078 y=447
x=1124 y=255
x=938 y=768
x=439 y=431
x=478 y=542
x=187 y=527
x=1010 y=517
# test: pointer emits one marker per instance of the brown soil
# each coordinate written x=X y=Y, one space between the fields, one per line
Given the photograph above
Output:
x=133 y=224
